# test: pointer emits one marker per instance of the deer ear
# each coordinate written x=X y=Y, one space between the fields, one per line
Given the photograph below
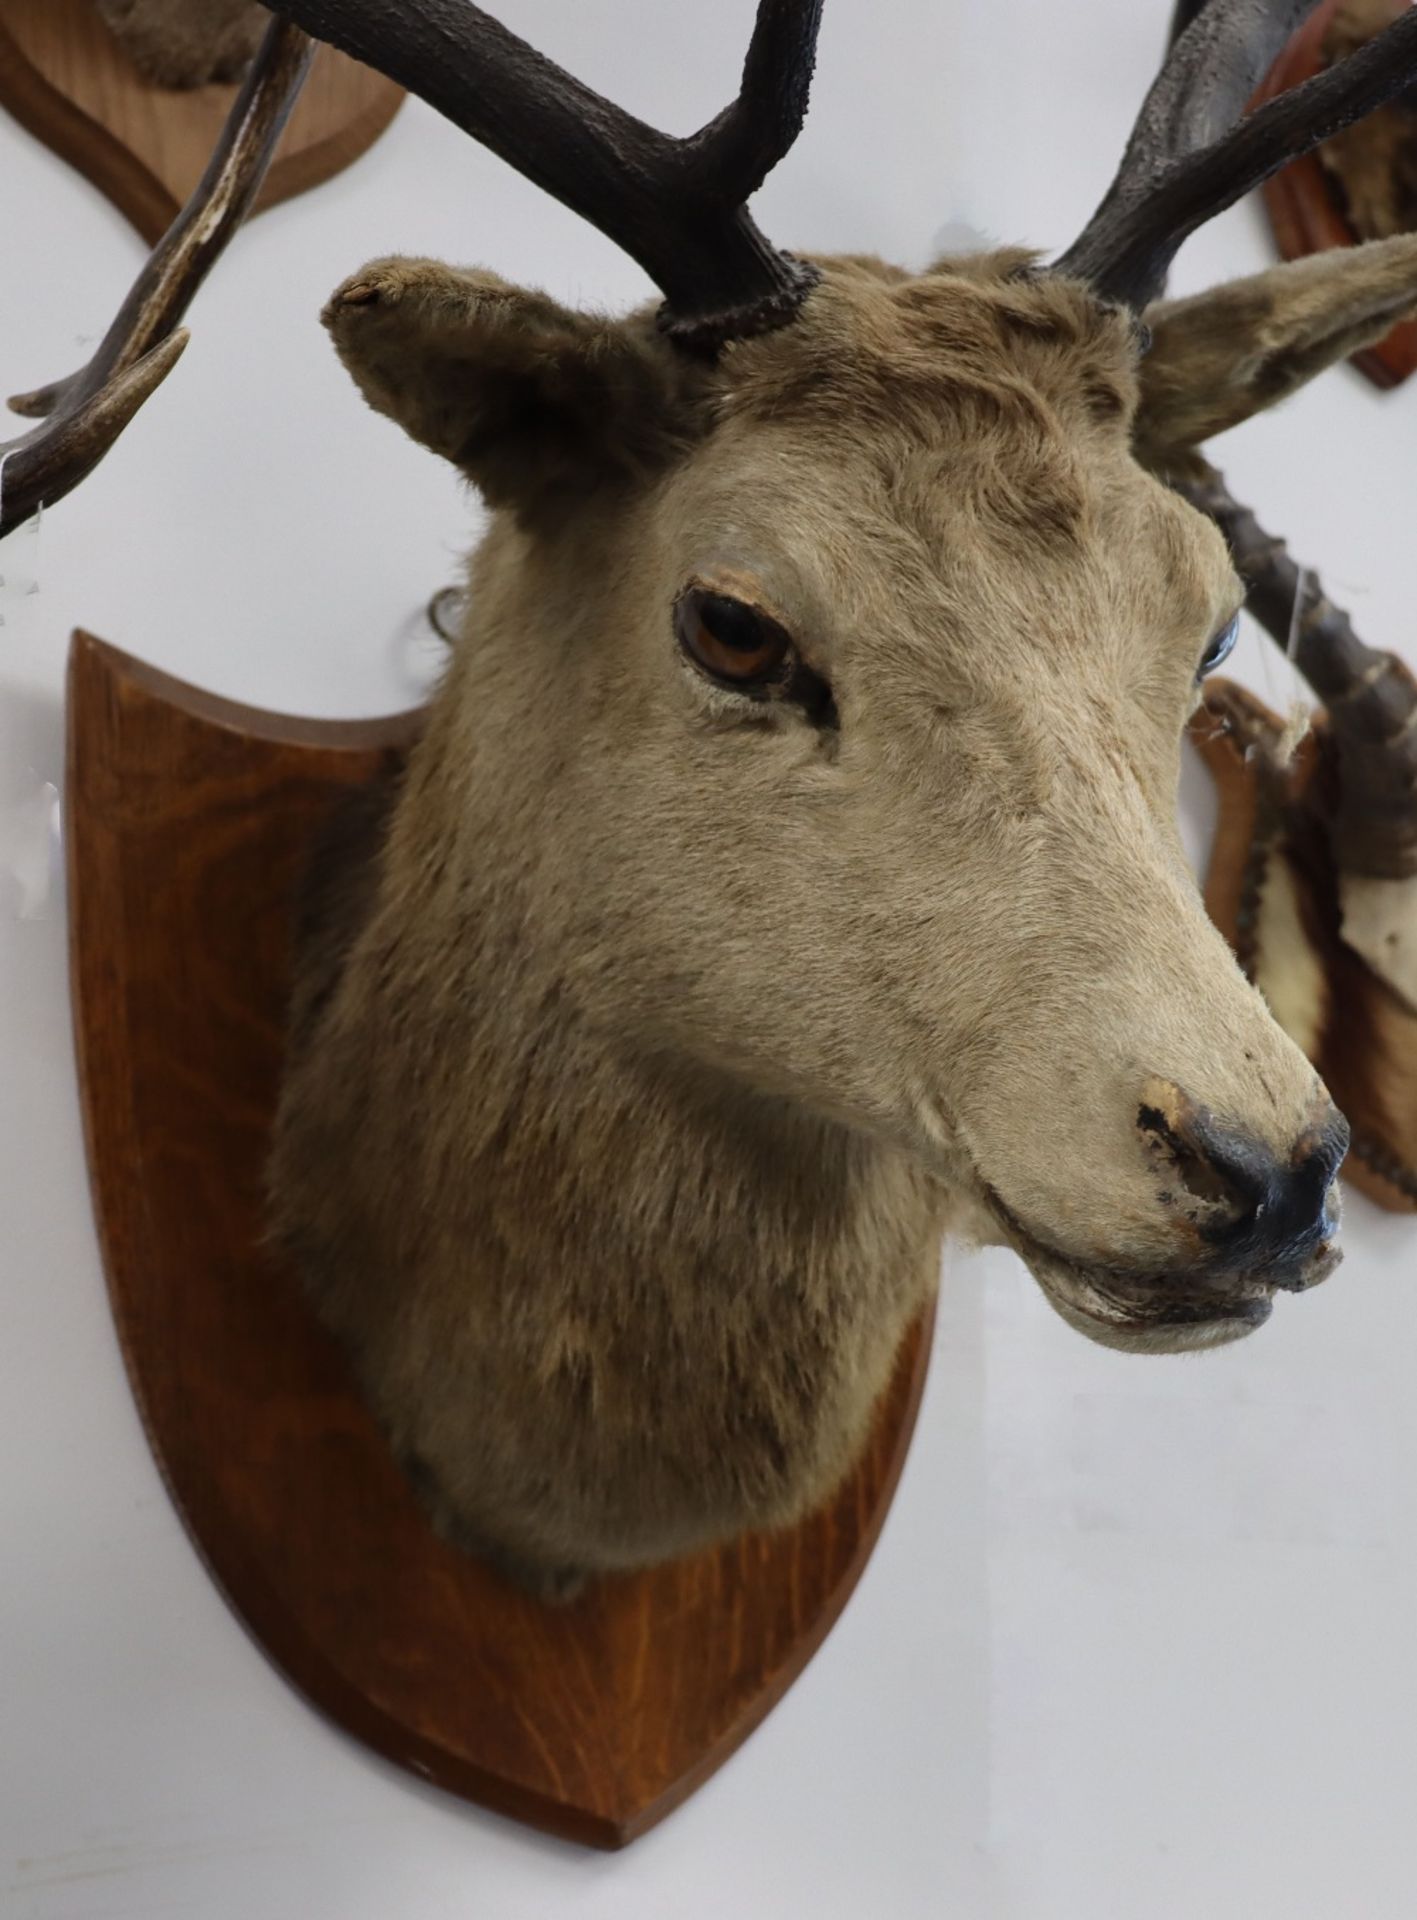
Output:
x=534 y=402
x=1219 y=357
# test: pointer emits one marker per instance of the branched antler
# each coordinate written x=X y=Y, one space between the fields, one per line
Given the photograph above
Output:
x=1190 y=155
x=84 y=414
x=1371 y=697
x=676 y=206
x=1185 y=12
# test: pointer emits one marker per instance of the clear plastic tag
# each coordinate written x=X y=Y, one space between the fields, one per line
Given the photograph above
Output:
x=30 y=848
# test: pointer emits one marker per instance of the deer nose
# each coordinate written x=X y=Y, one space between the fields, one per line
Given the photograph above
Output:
x=1258 y=1211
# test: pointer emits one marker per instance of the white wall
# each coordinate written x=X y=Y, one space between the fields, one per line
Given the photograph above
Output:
x=1137 y=1643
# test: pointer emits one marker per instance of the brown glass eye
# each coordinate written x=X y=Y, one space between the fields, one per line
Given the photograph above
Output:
x=732 y=642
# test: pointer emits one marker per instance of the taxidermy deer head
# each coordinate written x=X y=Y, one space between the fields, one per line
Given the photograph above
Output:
x=788 y=872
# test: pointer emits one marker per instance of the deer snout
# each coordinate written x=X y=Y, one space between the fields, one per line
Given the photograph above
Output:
x=1257 y=1209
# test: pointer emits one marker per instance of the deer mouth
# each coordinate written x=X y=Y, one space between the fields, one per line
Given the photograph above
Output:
x=1161 y=1312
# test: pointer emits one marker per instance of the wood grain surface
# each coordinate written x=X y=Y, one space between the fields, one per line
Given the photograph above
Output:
x=66 y=78
x=1303 y=205
x=186 y=823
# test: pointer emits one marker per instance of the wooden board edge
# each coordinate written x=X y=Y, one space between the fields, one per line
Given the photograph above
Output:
x=99 y=676
x=1237 y=816
x=116 y=171
x=313 y=164
x=82 y=142
x=111 y=667
x=913 y=1362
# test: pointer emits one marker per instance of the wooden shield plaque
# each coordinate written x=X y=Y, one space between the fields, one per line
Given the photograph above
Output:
x=65 y=77
x=1305 y=205
x=187 y=820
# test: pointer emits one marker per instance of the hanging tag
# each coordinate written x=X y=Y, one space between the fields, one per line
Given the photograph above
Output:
x=19 y=580
x=30 y=851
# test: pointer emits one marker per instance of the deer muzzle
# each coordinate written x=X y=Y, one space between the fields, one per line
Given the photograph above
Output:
x=1247 y=1221
x=1253 y=1209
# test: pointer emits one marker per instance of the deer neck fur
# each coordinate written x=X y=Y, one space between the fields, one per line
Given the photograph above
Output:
x=609 y=1303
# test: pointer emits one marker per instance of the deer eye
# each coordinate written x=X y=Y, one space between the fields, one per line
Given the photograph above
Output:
x=732 y=642
x=1220 y=648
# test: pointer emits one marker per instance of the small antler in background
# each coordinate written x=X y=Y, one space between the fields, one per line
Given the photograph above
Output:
x=1332 y=832
x=1192 y=153
x=1370 y=696
x=83 y=415
x=677 y=206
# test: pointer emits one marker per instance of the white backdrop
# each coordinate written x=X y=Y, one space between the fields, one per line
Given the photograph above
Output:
x=1138 y=1641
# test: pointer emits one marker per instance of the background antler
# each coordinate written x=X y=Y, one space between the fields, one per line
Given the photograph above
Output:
x=84 y=414
x=676 y=206
x=1186 y=11
x=1371 y=696
x=1188 y=158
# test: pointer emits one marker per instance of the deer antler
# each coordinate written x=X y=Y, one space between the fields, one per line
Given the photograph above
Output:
x=1186 y=11
x=674 y=205
x=1188 y=158
x=84 y=414
x=1370 y=696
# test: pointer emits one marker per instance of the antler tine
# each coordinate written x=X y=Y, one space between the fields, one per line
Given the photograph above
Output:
x=738 y=150
x=1186 y=11
x=1371 y=696
x=83 y=415
x=1216 y=55
x=1181 y=167
x=675 y=206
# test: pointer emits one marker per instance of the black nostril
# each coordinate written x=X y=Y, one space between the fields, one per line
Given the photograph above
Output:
x=1257 y=1210
x=1282 y=1212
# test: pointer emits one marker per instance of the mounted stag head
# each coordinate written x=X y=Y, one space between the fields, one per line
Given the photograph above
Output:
x=788 y=873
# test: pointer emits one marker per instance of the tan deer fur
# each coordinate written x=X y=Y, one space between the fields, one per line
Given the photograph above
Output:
x=1374 y=161
x=635 y=1082
x=187 y=43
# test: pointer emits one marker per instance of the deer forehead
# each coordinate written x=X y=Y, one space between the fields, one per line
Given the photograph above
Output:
x=947 y=453
x=977 y=337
